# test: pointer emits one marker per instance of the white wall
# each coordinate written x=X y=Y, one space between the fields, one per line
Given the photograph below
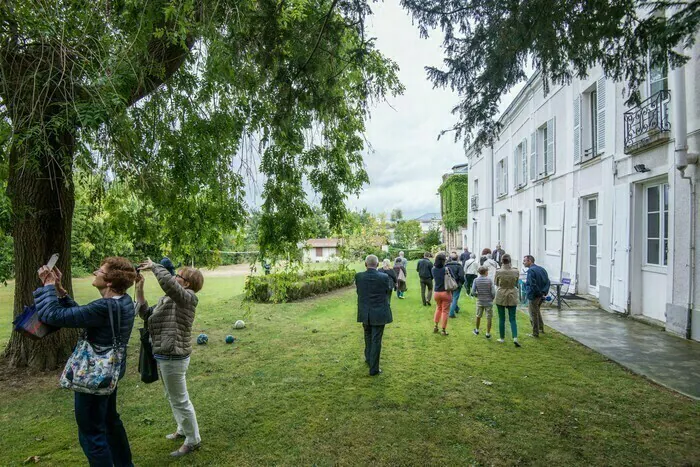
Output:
x=610 y=178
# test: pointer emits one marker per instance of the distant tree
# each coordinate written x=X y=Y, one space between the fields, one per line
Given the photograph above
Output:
x=407 y=234
x=430 y=239
x=396 y=215
x=489 y=43
x=316 y=224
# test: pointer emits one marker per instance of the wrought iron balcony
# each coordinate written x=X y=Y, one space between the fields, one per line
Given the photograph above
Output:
x=475 y=202
x=648 y=122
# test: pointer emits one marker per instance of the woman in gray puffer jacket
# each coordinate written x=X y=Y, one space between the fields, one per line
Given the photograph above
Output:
x=170 y=325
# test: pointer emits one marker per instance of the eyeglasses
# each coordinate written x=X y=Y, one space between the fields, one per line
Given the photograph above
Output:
x=178 y=275
x=95 y=273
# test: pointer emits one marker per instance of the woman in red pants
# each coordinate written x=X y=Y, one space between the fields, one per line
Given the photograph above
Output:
x=443 y=298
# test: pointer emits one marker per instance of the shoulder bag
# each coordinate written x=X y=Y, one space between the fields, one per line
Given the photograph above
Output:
x=92 y=370
x=450 y=282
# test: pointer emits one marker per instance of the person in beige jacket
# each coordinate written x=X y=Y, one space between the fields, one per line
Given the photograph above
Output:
x=506 y=281
x=170 y=325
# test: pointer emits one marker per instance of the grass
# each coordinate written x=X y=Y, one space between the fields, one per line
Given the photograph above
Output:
x=294 y=390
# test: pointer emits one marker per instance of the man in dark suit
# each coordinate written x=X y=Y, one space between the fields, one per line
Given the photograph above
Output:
x=373 y=311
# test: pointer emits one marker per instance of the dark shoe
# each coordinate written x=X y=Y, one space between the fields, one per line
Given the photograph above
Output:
x=186 y=449
x=444 y=333
x=173 y=436
x=436 y=330
x=488 y=336
x=476 y=332
x=429 y=304
x=377 y=373
x=516 y=343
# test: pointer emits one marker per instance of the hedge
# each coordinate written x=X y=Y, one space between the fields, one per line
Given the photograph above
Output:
x=290 y=286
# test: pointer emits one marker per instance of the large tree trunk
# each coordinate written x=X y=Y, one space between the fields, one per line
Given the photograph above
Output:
x=43 y=199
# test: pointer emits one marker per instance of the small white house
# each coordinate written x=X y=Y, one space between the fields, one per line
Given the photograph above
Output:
x=321 y=249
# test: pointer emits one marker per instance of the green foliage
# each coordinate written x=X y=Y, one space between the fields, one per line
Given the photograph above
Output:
x=396 y=215
x=363 y=234
x=430 y=239
x=454 y=193
x=490 y=43
x=176 y=100
x=291 y=286
x=407 y=233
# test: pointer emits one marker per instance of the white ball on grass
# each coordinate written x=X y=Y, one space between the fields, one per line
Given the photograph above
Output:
x=239 y=324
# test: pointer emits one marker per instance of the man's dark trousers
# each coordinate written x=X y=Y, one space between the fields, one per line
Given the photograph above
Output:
x=373 y=346
x=426 y=283
x=100 y=430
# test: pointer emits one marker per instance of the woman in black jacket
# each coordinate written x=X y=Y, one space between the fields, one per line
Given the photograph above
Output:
x=389 y=271
x=443 y=298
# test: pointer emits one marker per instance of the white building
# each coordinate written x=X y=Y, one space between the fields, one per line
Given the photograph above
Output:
x=594 y=191
x=429 y=221
x=321 y=249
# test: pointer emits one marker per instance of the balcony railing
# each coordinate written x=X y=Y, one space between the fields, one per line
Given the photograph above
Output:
x=644 y=123
x=475 y=202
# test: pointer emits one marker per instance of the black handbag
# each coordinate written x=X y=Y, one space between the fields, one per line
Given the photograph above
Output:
x=148 y=367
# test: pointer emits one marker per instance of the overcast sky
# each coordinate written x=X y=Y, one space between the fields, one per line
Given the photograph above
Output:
x=407 y=161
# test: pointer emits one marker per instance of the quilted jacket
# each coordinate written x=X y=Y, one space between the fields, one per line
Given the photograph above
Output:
x=94 y=317
x=170 y=321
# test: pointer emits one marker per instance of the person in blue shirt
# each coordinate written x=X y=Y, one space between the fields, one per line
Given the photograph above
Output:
x=537 y=288
x=100 y=430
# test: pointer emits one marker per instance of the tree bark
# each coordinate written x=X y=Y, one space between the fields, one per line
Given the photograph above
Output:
x=43 y=199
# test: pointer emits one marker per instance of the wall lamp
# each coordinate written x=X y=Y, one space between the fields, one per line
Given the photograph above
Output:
x=641 y=168
x=539 y=200
x=474 y=219
x=509 y=210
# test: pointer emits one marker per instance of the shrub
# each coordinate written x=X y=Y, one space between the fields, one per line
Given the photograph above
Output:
x=290 y=286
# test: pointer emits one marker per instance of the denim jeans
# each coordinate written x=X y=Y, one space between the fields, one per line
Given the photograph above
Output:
x=100 y=430
x=455 y=301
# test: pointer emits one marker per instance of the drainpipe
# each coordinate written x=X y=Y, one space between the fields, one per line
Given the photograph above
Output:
x=683 y=159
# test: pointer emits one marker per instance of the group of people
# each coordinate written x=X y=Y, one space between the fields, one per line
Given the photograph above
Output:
x=491 y=279
x=101 y=432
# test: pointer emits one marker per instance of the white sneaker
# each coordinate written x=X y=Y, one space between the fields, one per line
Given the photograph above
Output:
x=501 y=341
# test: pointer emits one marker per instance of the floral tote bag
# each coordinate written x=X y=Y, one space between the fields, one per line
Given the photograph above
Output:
x=93 y=369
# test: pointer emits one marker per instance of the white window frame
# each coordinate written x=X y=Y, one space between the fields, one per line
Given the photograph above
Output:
x=502 y=178
x=520 y=165
x=546 y=149
x=663 y=234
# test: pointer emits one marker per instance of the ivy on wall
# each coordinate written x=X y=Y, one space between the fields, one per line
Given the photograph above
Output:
x=454 y=193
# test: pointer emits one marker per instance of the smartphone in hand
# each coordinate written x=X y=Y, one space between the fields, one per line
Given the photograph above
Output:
x=52 y=261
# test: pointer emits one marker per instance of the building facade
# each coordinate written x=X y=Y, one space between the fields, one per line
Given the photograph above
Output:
x=597 y=191
x=321 y=249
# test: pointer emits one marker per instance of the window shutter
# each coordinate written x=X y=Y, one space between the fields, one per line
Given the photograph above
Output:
x=533 y=156
x=516 y=163
x=523 y=162
x=505 y=176
x=577 y=129
x=549 y=154
x=498 y=178
x=600 y=89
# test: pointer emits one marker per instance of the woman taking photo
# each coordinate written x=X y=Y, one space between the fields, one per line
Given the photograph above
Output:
x=170 y=325
x=100 y=430
x=506 y=282
x=443 y=298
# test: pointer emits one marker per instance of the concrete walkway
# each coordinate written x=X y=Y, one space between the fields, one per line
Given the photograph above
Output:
x=644 y=349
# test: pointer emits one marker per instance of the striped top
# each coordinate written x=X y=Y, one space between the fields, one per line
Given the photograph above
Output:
x=484 y=291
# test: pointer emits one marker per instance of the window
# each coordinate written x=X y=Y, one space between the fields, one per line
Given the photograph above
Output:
x=502 y=177
x=520 y=165
x=589 y=122
x=656 y=228
x=543 y=151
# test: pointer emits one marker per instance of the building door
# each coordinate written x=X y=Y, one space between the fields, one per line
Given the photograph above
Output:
x=591 y=242
x=655 y=250
x=621 y=249
x=319 y=252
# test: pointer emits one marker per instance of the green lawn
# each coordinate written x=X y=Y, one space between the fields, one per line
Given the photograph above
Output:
x=294 y=390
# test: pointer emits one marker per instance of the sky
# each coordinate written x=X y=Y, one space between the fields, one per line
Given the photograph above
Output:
x=406 y=162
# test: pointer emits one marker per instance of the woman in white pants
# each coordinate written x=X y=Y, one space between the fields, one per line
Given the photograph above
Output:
x=170 y=325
